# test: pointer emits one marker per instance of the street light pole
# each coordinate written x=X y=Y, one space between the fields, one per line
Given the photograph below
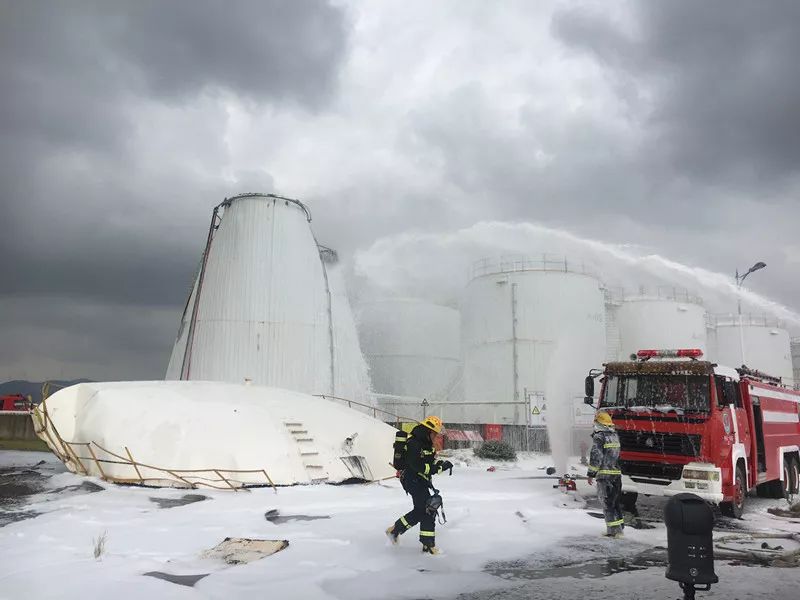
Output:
x=739 y=281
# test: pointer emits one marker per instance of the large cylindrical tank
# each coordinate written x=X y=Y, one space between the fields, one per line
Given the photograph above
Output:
x=764 y=340
x=517 y=313
x=262 y=307
x=795 y=344
x=413 y=347
x=660 y=318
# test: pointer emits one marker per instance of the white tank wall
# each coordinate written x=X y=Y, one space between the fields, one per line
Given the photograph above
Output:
x=552 y=308
x=648 y=322
x=766 y=349
x=795 y=345
x=412 y=347
x=210 y=430
x=350 y=367
x=263 y=312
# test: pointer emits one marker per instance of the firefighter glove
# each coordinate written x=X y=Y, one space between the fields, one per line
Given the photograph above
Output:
x=444 y=465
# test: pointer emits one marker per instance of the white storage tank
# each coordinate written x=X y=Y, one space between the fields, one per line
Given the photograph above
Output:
x=262 y=307
x=412 y=347
x=795 y=344
x=663 y=317
x=516 y=313
x=766 y=344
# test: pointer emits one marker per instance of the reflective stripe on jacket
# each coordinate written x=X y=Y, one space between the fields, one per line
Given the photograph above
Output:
x=604 y=458
x=420 y=455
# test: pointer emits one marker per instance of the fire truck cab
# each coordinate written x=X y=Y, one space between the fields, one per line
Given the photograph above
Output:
x=689 y=425
x=14 y=402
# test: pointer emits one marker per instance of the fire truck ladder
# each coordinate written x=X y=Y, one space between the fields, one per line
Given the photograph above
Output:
x=308 y=452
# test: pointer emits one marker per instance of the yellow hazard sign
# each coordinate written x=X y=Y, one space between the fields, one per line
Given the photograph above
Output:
x=535 y=410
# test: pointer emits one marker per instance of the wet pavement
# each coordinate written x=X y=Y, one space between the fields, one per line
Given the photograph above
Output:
x=18 y=484
x=175 y=502
x=187 y=580
x=274 y=516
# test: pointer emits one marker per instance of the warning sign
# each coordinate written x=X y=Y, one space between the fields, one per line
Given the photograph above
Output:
x=583 y=414
x=537 y=415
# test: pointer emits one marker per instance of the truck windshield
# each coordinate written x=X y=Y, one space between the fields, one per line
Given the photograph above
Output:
x=679 y=393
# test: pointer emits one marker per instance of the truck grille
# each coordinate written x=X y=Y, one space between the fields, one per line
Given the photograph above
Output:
x=647 y=470
x=683 y=444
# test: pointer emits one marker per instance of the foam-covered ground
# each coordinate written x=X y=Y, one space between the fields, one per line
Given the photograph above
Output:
x=508 y=535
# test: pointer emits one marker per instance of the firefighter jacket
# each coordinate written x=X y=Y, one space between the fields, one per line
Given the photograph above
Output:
x=604 y=458
x=420 y=454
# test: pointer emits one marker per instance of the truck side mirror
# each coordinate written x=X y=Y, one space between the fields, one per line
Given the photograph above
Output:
x=690 y=546
x=588 y=386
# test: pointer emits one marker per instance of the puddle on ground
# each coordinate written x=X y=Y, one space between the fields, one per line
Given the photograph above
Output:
x=18 y=484
x=182 y=501
x=650 y=512
x=85 y=487
x=274 y=516
x=595 y=564
x=187 y=580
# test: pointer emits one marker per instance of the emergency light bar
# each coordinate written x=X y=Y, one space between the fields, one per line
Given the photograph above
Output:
x=676 y=353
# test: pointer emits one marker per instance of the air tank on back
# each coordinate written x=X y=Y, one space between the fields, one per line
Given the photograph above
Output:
x=764 y=340
x=518 y=313
x=412 y=346
x=663 y=317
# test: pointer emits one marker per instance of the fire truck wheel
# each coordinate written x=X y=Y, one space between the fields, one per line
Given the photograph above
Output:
x=736 y=507
x=628 y=501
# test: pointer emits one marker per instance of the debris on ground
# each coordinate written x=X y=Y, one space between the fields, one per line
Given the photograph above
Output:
x=187 y=580
x=274 y=516
x=240 y=551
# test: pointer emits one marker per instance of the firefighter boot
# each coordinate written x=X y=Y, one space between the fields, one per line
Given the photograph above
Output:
x=393 y=535
x=614 y=533
x=430 y=549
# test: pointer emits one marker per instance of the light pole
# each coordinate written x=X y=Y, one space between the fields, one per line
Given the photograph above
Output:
x=739 y=280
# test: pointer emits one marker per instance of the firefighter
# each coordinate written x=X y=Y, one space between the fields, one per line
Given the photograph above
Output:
x=421 y=465
x=604 y=466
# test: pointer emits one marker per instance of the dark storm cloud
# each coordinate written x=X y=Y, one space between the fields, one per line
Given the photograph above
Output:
x=93 y=209
x=722 y=76
x=75 y=78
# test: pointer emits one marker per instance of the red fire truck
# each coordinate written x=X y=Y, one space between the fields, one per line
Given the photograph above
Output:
x=689 y=425
x=14 y=402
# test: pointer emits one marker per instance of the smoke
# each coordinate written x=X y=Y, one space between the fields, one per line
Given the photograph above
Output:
x=559 y=395
x=436 y=266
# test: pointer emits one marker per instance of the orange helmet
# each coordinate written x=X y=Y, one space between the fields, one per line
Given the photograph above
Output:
x=433 y=423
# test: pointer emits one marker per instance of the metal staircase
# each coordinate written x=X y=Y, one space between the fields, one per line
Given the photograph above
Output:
x=308 y=452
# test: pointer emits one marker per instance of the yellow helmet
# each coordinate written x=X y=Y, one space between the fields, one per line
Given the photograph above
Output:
x=603 y=418
x=433 y=423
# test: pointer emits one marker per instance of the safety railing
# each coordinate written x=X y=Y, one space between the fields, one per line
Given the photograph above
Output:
x=617 y=295
x=520 y=263
x=73 y=454
x=750 y=319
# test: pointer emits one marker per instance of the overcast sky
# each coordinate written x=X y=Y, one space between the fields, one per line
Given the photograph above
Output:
x=671 y=126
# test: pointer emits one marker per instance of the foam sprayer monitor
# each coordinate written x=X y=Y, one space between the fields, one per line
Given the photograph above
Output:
x=690 y=546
